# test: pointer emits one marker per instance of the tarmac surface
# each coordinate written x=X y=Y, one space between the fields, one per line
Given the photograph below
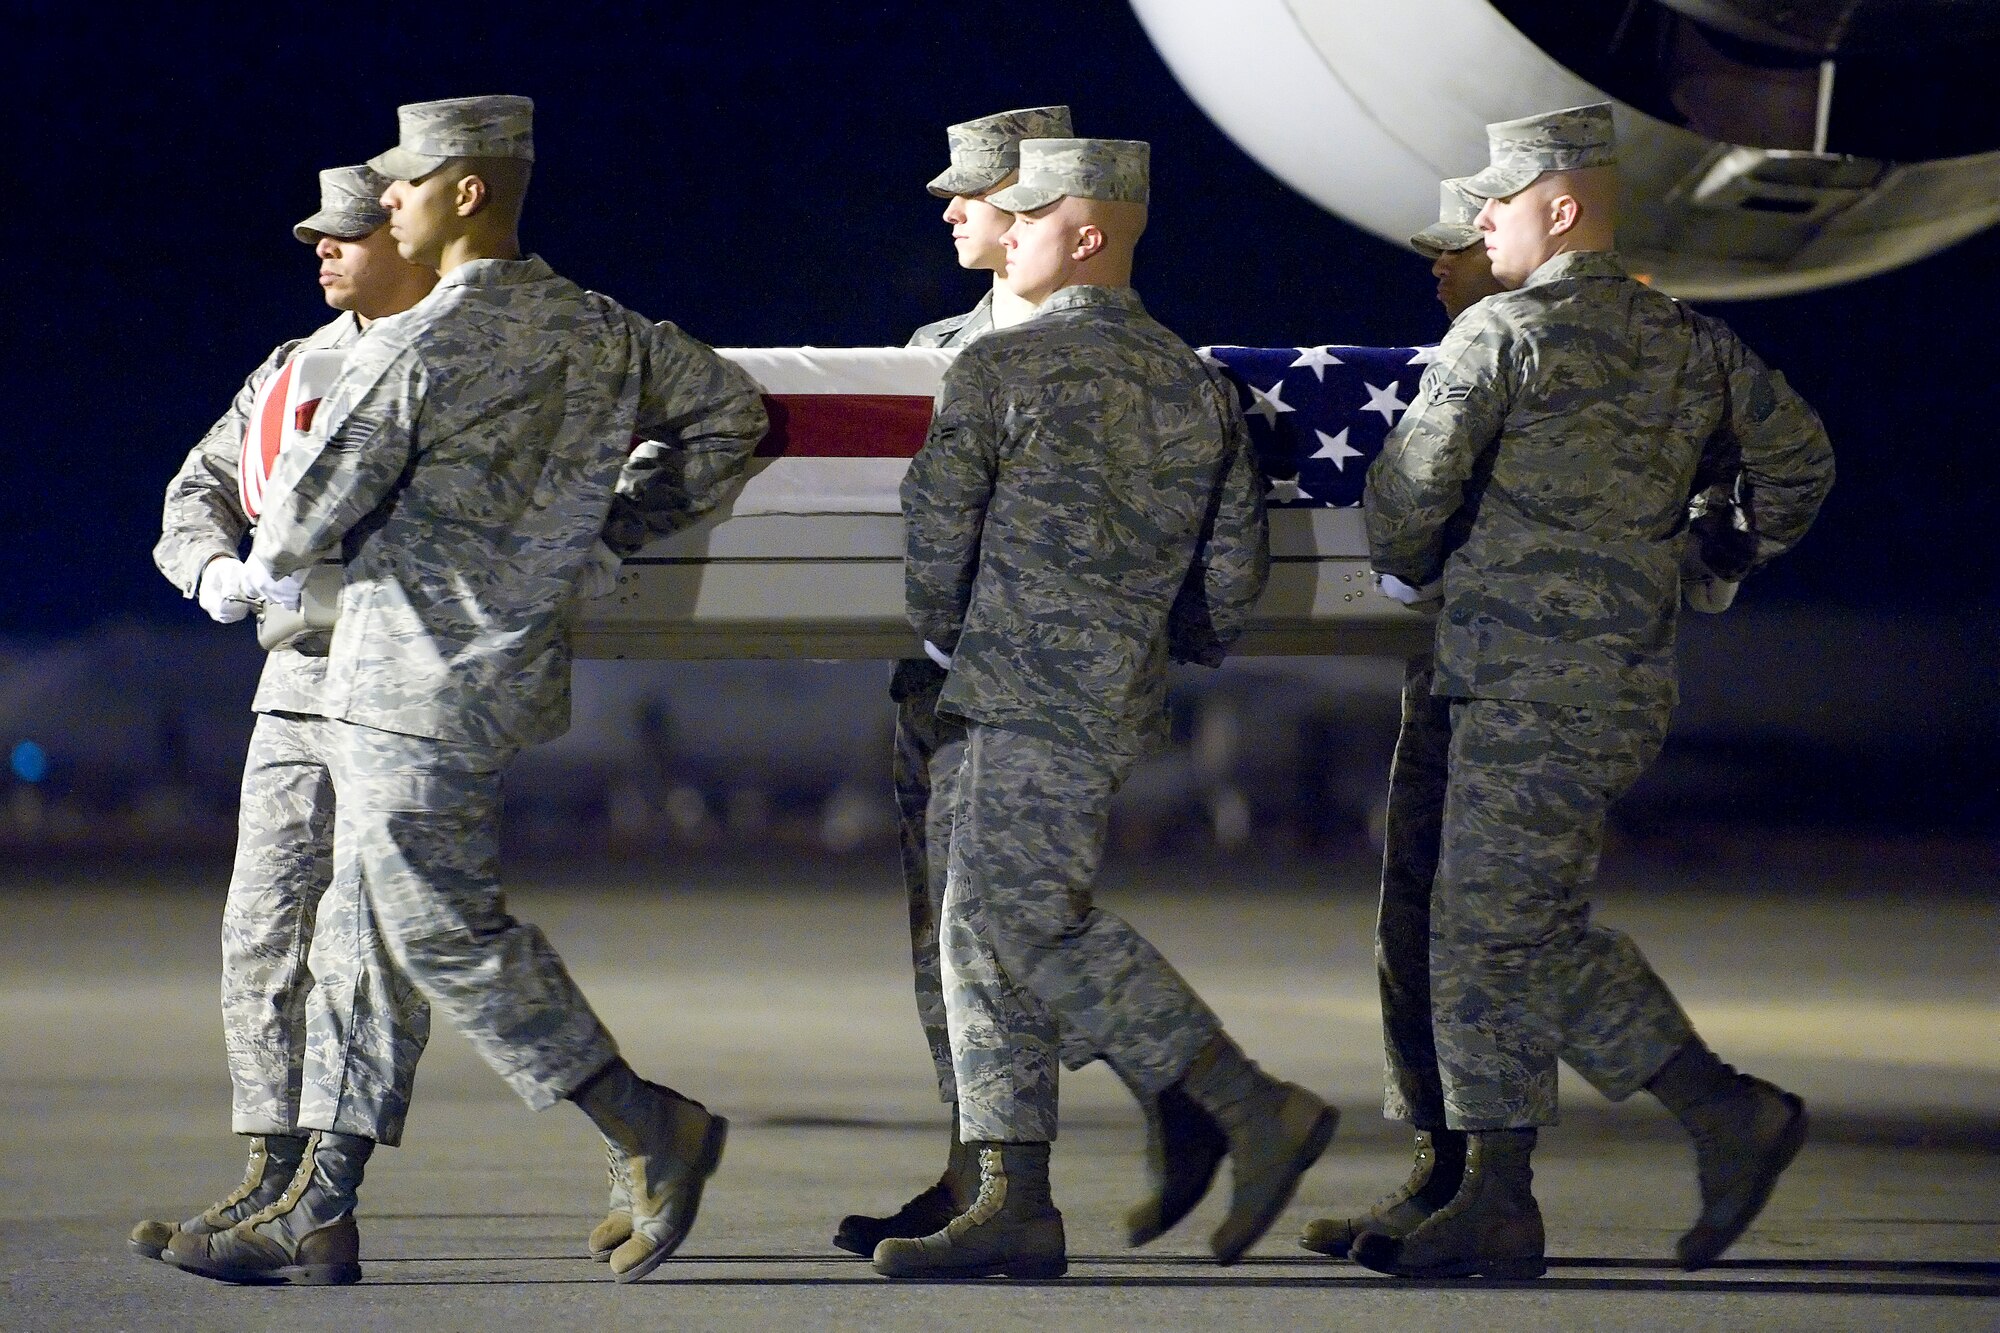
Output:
x=1861 y=975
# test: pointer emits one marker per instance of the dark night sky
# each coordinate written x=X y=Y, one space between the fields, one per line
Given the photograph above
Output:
x=757 y=176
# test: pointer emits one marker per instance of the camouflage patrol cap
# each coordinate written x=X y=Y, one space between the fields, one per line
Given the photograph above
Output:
x=432 y=133
x=350 y=206
x=1453 y=230
x=1566 y=140
x=1052 y=169
x=983 y=151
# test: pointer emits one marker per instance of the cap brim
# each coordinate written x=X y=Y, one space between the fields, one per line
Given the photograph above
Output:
x=1024 y=198
x=401 y=164
x=340 y=226
x=954 y=181
x=1500 y=182
x=1443 y=237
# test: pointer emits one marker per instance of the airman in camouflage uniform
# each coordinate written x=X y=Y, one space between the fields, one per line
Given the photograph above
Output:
x=474 y=463
x=985 y=157
x=1544 y=475
x=1085 y=507
x=1412 y=825
x=278 y=901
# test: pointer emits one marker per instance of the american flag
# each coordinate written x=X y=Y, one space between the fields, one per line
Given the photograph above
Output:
x=1318 y=415
x=844 y=419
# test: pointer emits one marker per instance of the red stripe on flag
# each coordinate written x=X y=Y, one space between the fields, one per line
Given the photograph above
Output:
x=261 y=442
x=845 y=425
x=273 y=431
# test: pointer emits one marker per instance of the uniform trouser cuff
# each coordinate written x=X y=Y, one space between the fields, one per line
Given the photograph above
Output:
x=388 y=1133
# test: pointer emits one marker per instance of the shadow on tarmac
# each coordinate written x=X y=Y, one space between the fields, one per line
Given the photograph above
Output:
x=1947 y=1278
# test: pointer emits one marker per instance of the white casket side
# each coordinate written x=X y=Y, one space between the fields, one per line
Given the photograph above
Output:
x=806 y=559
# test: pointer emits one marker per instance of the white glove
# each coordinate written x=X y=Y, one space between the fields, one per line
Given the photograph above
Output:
x=1430 y=597
x=599 y=575
x=937 y=654
x=221 y=592
x=1710 y=595
x=261 y=583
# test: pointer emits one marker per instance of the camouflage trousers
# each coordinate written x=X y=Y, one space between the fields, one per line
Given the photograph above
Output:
x=1505 y=801
x=928 y=752
x=418 y=833
x=280 y=911
x=1025 y=948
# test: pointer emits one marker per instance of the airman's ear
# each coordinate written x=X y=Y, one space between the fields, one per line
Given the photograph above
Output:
x=1564 y=211
x=1089 y=240
x=472 y=196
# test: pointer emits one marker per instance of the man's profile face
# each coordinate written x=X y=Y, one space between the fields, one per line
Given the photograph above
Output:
x=977 y=226
x=422 y=216
x=1038 y=252
x=364 y=273
x=1464 y=277
x=1516 y=234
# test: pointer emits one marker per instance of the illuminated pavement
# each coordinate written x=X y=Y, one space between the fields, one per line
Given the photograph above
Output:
x=1863 y=977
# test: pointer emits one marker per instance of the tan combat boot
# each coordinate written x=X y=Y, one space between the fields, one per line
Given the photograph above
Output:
x=951 y=1194
x=616 y=1227
x=306 y=1236
x=1434 y=1180
x=274 y=1159
x=1012 y=1228
x=1276 y=1131
x=1184 y=1146
x=1745 y=1132
x=668 y=1147
x=1491 y=1228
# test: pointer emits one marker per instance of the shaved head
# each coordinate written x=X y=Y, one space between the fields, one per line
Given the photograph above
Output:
x=1556 y=213
x=1072 y=242
x=469 y=208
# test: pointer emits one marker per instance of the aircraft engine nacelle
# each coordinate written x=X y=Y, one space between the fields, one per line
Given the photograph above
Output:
x=1765 y=148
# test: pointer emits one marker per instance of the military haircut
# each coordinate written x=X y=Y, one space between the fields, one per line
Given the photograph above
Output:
x=506 y=179
x=1593 y=187
x=1127 y=220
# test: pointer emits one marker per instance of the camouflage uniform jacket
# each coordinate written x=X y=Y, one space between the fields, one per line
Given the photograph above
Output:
x=1545 y=471
x=917 y=676
x=1086 y=502
x=204 y=516
x=958 y=330
x=464 y=464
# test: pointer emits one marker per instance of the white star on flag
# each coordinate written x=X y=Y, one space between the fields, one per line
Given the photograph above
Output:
x=1208 y=358
x=1270 y=402
x=1287 y=491
x=1423 y=356
x=1319 y=358
x=1382 y=399
x=1336 y=448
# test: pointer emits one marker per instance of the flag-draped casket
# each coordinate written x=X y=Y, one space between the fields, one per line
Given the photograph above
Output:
x=806 y=560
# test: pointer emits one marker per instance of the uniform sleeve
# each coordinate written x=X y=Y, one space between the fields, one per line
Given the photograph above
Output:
x=362 y=438
x=700 y=418
x=204 y=515
x=1233 y=560
x=1417 y=485
x=945 y=495
x=1786 y=457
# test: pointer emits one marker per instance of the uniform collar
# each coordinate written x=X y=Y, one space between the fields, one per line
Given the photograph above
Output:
x=497 y=273
x=1578 y=264
x=1091 y=294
